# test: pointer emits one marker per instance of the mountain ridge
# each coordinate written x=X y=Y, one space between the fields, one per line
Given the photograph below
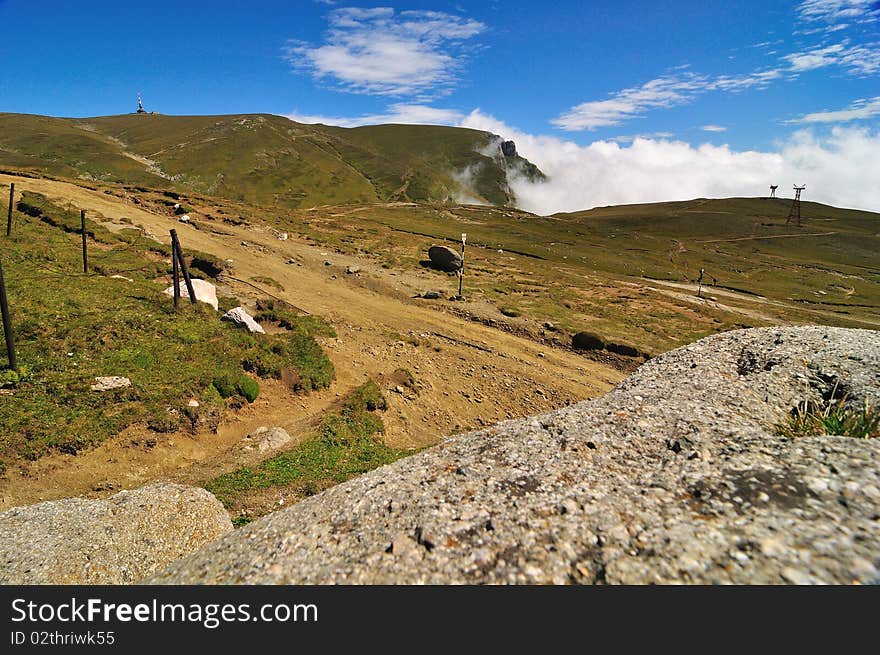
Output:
x=267 y=159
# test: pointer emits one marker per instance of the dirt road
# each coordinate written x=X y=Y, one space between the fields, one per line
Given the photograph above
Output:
x=466 y=374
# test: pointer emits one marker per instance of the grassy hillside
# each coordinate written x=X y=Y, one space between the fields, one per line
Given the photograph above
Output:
x=71 y=327
x=264 y=159
x=629 y=273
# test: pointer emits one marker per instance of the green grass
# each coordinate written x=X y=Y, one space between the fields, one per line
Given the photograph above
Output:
x=70 y=328
x=834 y=418
x=346 y=444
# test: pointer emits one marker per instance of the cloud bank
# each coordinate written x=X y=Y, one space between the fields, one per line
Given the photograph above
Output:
x=839 y=168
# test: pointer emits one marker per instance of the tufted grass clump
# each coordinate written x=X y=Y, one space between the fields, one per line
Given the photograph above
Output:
x=831 y=417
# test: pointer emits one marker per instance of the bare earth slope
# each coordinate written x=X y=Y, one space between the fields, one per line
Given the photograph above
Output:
x=675 y=476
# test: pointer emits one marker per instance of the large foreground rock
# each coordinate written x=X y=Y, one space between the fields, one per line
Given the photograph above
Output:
x=675 y=476
x=113 y=541
x=444 y=258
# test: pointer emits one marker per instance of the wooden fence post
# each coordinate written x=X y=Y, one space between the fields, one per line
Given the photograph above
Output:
x=175 y=266
x=82 y=219
x=7 y=323
x=178 y=252
x=9 y=216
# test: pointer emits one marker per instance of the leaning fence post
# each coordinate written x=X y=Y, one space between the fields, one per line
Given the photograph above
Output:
x=176 y=274
x=7 y=323
x=82 y=218
x=9 y=215
x=178 y=252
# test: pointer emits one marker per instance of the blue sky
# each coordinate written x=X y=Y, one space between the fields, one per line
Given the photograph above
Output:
x=737 y=76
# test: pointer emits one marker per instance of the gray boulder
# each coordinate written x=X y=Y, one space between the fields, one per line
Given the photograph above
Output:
x=444 y=258
x=677 y=475
x=240 y=317
x=114 y=541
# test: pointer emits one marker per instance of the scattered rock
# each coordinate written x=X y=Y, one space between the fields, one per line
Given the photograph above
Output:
x=110 y=382
x=549 y=326
x=351 y=270
x=290 y=261
x=431 y=295
x=623 y=349
x=265 y=439
x=118 y=540
x=241 y=318
x=283 y=236
x=193 y=403
x=327 y=262
x=587 y=341
x=121 y=277
x=204 y=290
x=184 y=218
x=444 y=258
x=508 y=148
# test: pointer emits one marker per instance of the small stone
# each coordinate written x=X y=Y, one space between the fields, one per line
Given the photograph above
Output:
x=431 y=295
x=327 y=262
x=772 y=547
x=111 y=382
x=352 y=270
x=796 y=576
x=193 y=403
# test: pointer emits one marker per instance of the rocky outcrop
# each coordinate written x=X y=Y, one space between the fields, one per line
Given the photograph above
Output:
x=204 y=290
x=444 y=258
x=508 y=148
x=678 y=475
x=114 y=541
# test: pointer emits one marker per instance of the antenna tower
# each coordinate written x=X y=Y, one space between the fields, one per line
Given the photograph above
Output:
x=773 y=188
x=795 y=211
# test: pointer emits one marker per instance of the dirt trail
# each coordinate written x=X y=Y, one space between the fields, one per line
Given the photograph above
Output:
x=471 y=375
x=710 y=291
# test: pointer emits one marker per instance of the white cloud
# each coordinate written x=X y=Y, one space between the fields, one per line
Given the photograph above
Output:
x=714 y=128
x=397 y=113
x=831 y=11
x=379 y=51
x=858 y=110
x=839 y=169
x=629 y=103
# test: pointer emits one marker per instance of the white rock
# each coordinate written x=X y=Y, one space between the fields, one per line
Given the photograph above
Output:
x=121 y=277
x=193 y=403
x=283 y=236
x=205 y=292
x=184 y=218
x=240 y=317
x=110 y=382
x=269 y=439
